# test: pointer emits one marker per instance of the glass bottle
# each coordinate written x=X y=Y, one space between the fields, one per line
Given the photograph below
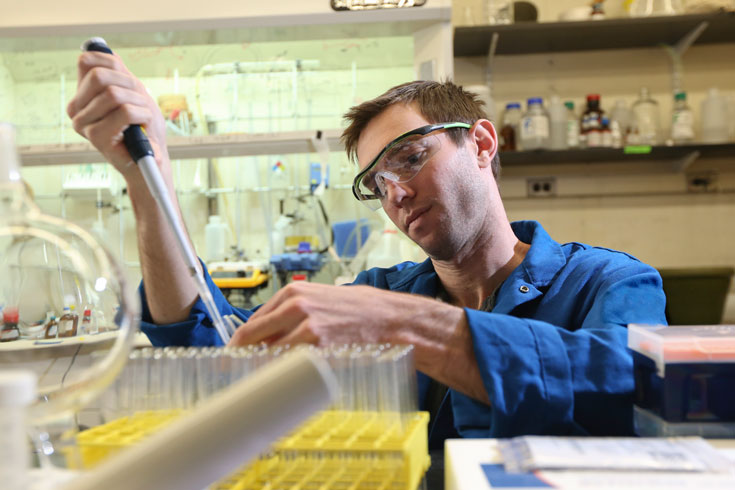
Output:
x=648 y=8
x=591 y=122
x=572 y=126
x=52 y=328
x=45 y=260
x=68 y=323
x=86 y=326
x=510 y=130
x=498 y=11
x=606 y=137
x=646 y=119
x=558 y=120
x=682 y=120
x=620 y=123
x=535 y=126
x=10 y=330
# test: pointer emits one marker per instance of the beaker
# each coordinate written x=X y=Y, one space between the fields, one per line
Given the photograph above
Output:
x=498 y=12
x=651 y=8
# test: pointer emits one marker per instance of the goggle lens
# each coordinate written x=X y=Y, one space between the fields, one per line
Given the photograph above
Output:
x=400 y=163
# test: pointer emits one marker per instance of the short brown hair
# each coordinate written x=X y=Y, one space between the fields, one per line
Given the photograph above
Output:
x=438 y=102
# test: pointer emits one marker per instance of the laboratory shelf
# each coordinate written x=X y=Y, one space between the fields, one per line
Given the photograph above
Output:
x=603 y=155
x=209 y=146
x=248 y=144
x=548 y=37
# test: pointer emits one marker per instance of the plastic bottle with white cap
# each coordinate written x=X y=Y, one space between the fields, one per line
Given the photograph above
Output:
x=714 y=118
x=17 y=391
x=215 y=234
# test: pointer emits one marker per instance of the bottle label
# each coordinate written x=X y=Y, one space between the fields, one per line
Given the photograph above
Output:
x=9 y=334
x=572 y=133
x=590 y=122
x=535 y=127
x=682 y=126
x=606 y=139
x=594 y=139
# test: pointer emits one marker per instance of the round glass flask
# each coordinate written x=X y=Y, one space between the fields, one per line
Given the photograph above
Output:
x=51 y=270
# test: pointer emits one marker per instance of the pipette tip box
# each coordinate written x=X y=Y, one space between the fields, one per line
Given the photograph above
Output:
x=685 y=374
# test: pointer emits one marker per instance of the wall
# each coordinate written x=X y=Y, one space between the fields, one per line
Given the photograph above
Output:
x=334 y=75
x=645 y=211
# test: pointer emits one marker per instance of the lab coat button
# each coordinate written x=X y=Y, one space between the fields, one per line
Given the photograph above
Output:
x=524 y=289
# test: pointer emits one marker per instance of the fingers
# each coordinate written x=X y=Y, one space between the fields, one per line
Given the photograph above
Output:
x=291 y=290
x=101 y=81
x=275 y=324
x=106 y=134
x=301 y=335
x=108 y=100
x=95 y=59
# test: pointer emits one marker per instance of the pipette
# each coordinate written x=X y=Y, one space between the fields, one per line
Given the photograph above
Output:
x=140 y=149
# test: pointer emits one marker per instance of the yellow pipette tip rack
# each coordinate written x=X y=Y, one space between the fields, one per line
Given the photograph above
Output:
x=334 y=450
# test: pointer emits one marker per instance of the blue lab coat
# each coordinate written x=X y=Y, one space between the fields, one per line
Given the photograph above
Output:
x=552 y=353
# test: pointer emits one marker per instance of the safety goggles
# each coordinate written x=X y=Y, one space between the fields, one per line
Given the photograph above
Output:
x=399 y=161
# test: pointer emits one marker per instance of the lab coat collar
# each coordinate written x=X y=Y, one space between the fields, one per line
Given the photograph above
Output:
x=542 y=262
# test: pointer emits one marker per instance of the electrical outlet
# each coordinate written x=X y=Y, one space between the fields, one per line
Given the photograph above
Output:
x=541 y=187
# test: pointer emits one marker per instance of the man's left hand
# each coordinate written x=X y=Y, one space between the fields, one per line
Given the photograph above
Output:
x=321 y=314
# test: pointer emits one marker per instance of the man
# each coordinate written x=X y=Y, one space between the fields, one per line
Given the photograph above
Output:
x=529 y=335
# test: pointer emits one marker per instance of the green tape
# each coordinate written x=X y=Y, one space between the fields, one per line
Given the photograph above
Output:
x=637 y=150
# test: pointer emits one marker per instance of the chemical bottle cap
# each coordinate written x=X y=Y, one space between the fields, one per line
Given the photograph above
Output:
x=593 y=97
x=66 y=308
x=87 y=312
x=680 y=96
x=215 y=219
x=513 y=105
x=535 y=100
x=10 y=315
x=298 y=277
x=17 y=388
x=569 y=104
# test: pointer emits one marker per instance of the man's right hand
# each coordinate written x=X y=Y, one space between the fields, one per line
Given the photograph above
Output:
x=109 y=99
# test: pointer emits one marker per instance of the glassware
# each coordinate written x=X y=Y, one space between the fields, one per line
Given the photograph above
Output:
x=485 y=95
x=46 y=263
x=715 y=118
x=650 y=8
x=682 y=120
x=558 y=119
x=510 y=130
x=535 y=126
x=646 y=120
x=498 y=11
x=621 y=120
x=572 y=125
x=591 y=123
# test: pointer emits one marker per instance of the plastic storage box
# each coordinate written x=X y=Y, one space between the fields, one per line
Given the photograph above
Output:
x=685 y=374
